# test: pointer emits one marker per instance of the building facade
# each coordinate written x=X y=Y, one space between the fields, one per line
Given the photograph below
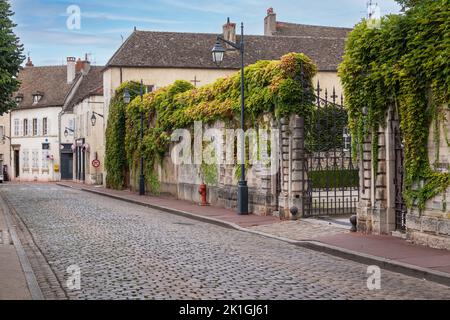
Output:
x=5 y=146
x=35 y=148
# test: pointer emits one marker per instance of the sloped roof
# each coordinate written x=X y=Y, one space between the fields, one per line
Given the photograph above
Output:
x=91 y=83
x=51 y=81
x=287 y=29
x=193 y=50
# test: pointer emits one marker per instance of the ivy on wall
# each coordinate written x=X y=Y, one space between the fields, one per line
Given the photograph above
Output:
x=115 y=158
x=281 y=87
x=405 y=64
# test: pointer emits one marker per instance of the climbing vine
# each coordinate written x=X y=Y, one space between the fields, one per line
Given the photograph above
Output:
x=405 y=64
x=281 y=87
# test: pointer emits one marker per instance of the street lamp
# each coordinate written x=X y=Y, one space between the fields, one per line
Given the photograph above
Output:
x=218 y=53
x=127 y=99
x=94 y=118
x=66 y=132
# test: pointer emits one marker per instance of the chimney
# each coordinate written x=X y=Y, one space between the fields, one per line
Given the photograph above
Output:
x=71 y=69
x=229 y=32
x=86 y=64
x=78 y=66
x=29 y=63
x=270 y=23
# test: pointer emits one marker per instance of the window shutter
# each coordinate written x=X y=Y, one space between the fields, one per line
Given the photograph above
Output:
x=30 y=127
x=48 y=127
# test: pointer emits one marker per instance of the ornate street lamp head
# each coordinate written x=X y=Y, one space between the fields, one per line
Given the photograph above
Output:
x=93 y=119
x=126 y=97
x=218 y=52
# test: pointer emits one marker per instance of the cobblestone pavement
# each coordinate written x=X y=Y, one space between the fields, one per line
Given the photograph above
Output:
x=127 y=251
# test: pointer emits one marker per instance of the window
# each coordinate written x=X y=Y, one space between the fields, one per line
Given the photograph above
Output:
x=25 y=159
x=35 y=159
x=45 y=154
x=35 y=127
x=16 y=127
x=2 y=132
x=44 y=126
x=25 y=127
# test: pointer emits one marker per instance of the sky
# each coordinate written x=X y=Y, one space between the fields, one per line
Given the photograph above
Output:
x=43 y=28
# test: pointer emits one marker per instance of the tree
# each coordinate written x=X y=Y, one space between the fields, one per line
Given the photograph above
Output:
x=10 y=58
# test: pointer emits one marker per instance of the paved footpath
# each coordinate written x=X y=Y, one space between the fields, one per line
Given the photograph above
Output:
x=13 y=285
x=127 y=251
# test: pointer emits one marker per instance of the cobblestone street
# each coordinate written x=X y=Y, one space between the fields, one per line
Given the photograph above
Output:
x=126 y=251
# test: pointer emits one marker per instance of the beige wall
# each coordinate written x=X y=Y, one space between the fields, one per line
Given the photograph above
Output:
x=94 y=136
x=5 y=145
x=29 y=144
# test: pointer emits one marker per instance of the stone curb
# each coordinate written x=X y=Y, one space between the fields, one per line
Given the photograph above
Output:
x=384 y=263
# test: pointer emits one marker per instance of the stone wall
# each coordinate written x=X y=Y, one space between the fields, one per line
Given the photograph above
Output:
x=376 y=209
x=269 y=194
x=431 y=226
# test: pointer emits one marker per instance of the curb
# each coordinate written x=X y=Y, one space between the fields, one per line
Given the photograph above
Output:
x=387 y=264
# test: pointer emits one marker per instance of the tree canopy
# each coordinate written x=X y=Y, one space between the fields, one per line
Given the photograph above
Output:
x=10 y=58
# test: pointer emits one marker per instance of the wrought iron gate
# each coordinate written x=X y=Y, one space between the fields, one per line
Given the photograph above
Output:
x=331 y=182
x=400 y=206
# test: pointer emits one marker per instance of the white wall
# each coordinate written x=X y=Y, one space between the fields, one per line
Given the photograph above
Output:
x=94 y=136
x=37 y=167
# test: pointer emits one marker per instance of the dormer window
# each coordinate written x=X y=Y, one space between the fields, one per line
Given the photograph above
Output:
x=19 y=98
x=37 y=97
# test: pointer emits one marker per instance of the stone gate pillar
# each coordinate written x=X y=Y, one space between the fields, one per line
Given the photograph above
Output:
x=293 y=175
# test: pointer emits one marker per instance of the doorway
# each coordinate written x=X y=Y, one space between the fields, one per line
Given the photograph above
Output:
x=16 y=164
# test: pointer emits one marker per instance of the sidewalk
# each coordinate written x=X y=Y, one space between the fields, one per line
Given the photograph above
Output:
x=327 y=236
x=13 y=284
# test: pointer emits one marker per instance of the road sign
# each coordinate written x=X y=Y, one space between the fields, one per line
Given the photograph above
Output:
x=96 y=163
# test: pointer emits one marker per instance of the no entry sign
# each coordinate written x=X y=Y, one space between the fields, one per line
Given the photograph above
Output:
x=96 y=163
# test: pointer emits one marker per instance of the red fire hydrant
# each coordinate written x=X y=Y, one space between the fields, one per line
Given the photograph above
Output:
x=202 y=192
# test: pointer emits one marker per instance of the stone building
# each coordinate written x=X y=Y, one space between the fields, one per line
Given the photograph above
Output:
x=82 y=127
x=5 y=146
x=44 y=125
x=35 y=149
x=382 y=209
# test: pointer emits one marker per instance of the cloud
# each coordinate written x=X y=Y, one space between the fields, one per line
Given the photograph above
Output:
x=116 y=17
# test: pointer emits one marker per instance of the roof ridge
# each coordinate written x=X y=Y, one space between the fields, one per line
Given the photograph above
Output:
x=314 y=25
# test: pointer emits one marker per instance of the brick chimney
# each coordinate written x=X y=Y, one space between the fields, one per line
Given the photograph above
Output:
x=270 y=23
x=229 y=32
x=79 y=66
x=71 y=69
x=29 y=63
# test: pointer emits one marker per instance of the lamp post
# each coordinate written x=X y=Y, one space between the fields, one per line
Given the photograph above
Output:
x=127 y=99
x=218 y=53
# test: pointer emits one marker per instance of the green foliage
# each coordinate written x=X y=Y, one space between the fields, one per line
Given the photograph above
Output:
x=404 y=64
x=10 y=58
x=334 y=178
x=116 y=159
x=282 y=87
